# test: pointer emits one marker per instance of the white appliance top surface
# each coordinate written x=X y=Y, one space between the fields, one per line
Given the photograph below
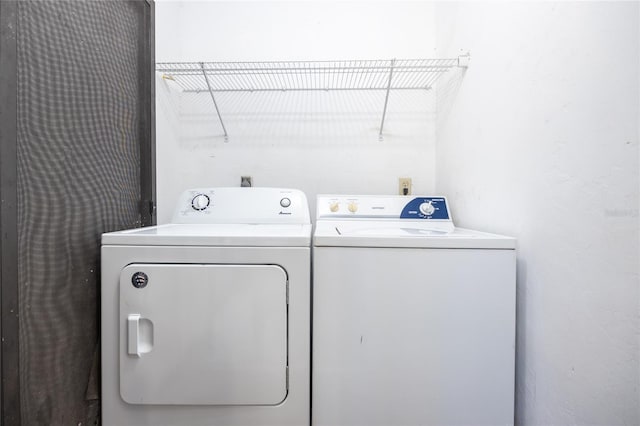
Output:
x=249 y=217
x=420 y=221
x=228 y=234
x=403 y=234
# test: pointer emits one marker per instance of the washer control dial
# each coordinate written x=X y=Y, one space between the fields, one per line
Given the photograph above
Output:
x=427 y=209
x=200 y=202
x=334 y=206
x=353 y=207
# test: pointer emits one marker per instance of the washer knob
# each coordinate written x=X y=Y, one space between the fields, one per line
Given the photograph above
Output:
x=334 y=206
x=200 y=202
x=427 y=209
x=353 y=207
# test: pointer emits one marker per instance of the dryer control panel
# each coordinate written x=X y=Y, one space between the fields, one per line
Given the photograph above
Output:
x=380 y=207
x=242 y=205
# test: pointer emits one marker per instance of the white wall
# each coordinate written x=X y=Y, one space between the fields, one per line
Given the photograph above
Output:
x=318 y=142
x=540 y=140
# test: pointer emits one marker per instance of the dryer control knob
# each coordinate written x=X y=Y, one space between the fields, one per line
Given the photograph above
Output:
x=334 y=207
x=427 y=209
x=200 y=202
x=353 y=207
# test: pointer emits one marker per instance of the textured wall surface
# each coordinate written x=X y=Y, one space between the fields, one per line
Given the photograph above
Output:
x=540 y=141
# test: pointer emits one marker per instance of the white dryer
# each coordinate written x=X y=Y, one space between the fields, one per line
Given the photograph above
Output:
x=206 y=321
x=413 y=319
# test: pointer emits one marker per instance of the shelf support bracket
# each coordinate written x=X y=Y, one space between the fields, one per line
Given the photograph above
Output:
x=386 y=98
x=215 y=104
x=463 y=60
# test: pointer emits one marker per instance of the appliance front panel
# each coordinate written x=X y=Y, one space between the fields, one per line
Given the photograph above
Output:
x=198 y=334
x=413 y=336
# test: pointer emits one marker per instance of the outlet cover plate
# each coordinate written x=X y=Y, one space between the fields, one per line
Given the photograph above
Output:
x=404 y=183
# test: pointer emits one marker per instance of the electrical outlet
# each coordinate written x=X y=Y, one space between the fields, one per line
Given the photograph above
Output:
x=404 y=186
x=246 y=181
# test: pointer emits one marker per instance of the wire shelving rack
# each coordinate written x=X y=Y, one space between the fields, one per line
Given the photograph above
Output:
x=282 y=76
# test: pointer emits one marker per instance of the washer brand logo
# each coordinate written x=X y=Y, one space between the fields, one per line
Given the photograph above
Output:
x=139 y=280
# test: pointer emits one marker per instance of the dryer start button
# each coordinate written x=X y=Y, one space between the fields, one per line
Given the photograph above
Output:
x=285 y=202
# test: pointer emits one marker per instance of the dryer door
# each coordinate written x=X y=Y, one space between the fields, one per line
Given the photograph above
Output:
x=203 y=334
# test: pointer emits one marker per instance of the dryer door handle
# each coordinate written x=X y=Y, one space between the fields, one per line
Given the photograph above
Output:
x=133 y=328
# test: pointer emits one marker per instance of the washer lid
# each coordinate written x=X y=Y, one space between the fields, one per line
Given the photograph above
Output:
x=246 y=235
x=403 y=234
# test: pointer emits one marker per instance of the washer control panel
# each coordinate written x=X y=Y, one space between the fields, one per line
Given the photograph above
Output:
x=426 y=208
x=242 y=205
x=383 y=207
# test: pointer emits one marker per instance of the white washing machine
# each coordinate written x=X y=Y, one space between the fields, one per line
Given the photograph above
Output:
x=206 y=321
x=413 y=319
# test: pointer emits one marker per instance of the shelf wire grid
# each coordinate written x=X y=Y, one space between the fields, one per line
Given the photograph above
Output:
x=392 y=74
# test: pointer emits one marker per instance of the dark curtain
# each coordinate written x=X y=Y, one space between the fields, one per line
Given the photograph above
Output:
x=83 y=165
